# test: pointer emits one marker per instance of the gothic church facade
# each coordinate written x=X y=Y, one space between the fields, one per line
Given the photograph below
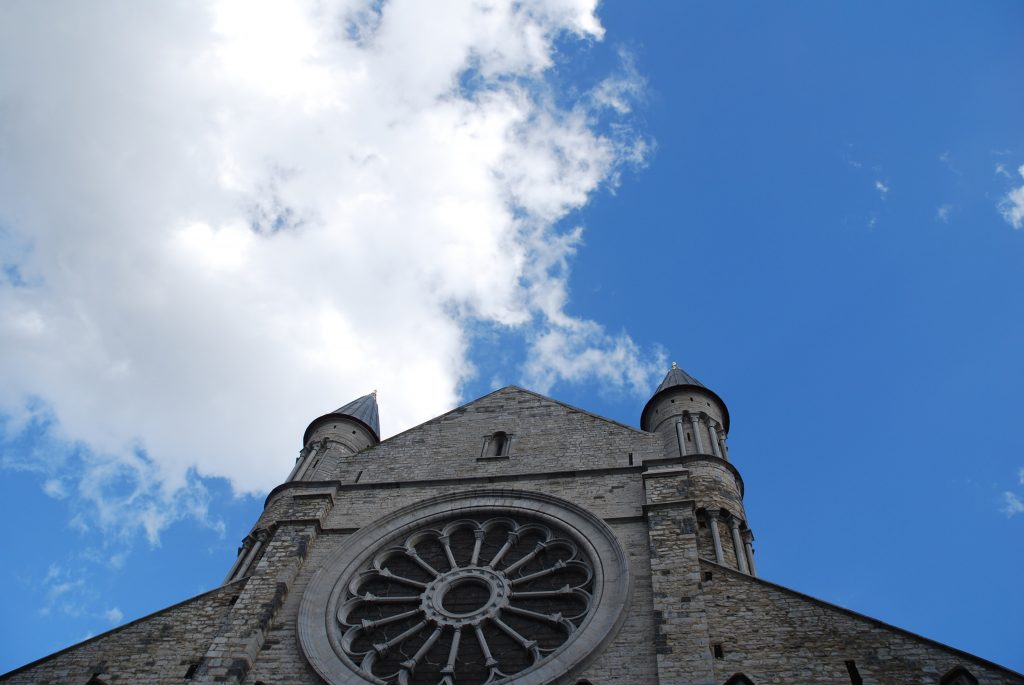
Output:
x=514 y=539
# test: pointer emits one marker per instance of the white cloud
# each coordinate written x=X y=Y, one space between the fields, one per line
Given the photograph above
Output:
x=114 y=615
x=882 y=188
x=942 y=213
x=1012 y=206
x=219 y=220
x=1012 y=505
x=54 y=488
x=1001 y=170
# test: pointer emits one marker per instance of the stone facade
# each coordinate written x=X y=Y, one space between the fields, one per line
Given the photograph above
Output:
x=653 y=517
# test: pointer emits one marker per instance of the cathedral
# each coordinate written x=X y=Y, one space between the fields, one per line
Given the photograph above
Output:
x=519 y=540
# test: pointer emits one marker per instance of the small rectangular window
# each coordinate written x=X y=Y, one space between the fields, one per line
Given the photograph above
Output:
x=719 y=652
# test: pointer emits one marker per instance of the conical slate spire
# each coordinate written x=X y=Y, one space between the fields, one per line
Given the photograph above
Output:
x=363 y=410
x=677 y=376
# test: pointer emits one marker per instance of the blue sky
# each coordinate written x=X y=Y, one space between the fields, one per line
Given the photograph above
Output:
x=217 y=224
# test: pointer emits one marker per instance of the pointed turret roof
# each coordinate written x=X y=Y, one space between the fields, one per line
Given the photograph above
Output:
x=362 y=410
x=677 y=378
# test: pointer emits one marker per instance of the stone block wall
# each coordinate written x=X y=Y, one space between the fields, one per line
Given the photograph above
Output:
x=776 y=636
x=279 y=659
x=680 y=625
x=157 y=650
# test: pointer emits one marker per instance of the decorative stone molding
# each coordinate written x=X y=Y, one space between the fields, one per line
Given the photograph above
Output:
x=473 y=587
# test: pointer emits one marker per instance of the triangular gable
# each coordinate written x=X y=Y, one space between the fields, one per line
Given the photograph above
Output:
x=511 y=390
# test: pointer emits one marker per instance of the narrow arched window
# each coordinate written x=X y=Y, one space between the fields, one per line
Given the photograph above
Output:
x=496 y=445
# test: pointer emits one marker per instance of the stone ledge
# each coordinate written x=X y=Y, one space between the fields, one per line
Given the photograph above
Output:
x=339 y=486
x=668 y=504
x=691 y=458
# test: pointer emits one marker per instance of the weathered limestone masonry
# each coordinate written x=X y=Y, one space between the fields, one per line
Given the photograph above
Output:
x=774 y=635
x=680 y=622
x=160 y=648
x=517 y=540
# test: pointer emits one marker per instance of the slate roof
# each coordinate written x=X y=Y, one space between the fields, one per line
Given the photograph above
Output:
x=363 y=410
x=677 y=376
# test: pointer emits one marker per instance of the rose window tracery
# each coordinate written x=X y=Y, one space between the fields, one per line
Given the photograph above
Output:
x=488 y=592
x=468 y=603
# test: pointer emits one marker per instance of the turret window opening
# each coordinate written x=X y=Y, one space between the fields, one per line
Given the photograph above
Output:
x=688 y=439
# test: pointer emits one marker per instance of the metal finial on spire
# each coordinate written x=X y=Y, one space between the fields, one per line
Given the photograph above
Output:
x=675 y=366
x=374 y=393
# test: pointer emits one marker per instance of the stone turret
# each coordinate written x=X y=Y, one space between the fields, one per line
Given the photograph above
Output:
x=344 y=431
x=693 y=423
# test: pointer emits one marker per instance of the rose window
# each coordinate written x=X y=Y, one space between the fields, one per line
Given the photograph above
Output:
x=468 y=603
x=474 y=596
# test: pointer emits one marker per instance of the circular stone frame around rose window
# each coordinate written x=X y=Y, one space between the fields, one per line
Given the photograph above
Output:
x=474 y=588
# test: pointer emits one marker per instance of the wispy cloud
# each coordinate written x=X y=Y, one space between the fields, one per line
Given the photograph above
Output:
x=295 y=210
x=114 y=615
x=62 y=592
x=54 y=488
x=882 y=188
x=947 y=160
x=1012 y=503
x=942 y=213
x=1012 y=204
x=621 y=91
